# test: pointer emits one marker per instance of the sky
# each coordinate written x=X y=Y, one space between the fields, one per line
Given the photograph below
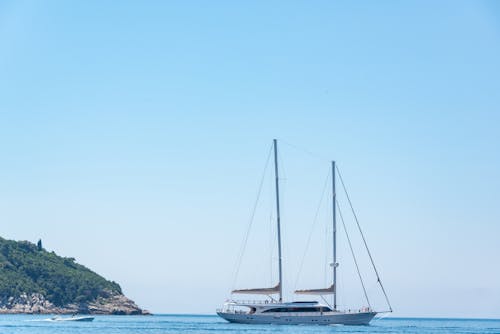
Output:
x=133 y=137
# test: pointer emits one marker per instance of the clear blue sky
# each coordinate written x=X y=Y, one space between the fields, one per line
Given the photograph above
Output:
x=133 y=136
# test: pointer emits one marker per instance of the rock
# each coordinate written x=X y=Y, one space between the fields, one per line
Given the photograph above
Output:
x=36 y=303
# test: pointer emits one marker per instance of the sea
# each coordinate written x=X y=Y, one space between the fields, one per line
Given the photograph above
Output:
x=198 y=324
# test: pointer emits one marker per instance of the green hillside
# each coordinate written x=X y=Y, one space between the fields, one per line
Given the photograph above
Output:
x=28 y=268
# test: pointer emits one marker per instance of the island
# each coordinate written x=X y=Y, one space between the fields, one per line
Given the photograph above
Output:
x=36 y=281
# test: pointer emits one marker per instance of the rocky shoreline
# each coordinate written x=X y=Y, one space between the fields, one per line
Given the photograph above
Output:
x=36 y=303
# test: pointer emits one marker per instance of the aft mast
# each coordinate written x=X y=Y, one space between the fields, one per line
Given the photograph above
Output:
x=334 y=239
x=280 y=284
x=333 y=288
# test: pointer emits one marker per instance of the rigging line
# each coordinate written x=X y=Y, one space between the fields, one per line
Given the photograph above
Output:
x=272 y=234
x=273 y=246
x=270 y=249
x=311 y=231
x=326 y=269
x=312 y=154
x=363 y=237
x=326 y=302
x=353 y=255
x=283 y=193
x=245 y=240
x=282 y=167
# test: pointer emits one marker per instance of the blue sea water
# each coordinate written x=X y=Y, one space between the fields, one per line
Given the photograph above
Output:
x=198 y=324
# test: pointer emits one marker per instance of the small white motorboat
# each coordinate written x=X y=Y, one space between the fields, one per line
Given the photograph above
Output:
x=72 y=318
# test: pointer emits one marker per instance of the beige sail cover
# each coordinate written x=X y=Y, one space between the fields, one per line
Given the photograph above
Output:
x=263 y=291
x=327 y=291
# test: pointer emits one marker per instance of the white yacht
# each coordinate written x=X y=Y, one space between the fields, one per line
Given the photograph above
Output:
x=294 y=313
x=276 y=311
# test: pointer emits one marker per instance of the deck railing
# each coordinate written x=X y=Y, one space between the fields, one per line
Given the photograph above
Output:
x=258 y=302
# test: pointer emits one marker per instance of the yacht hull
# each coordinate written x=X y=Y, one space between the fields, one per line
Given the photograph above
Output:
x=361 y=318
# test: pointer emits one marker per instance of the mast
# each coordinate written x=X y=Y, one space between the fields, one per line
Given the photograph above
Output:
x=334 y=238
x=278 y=216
